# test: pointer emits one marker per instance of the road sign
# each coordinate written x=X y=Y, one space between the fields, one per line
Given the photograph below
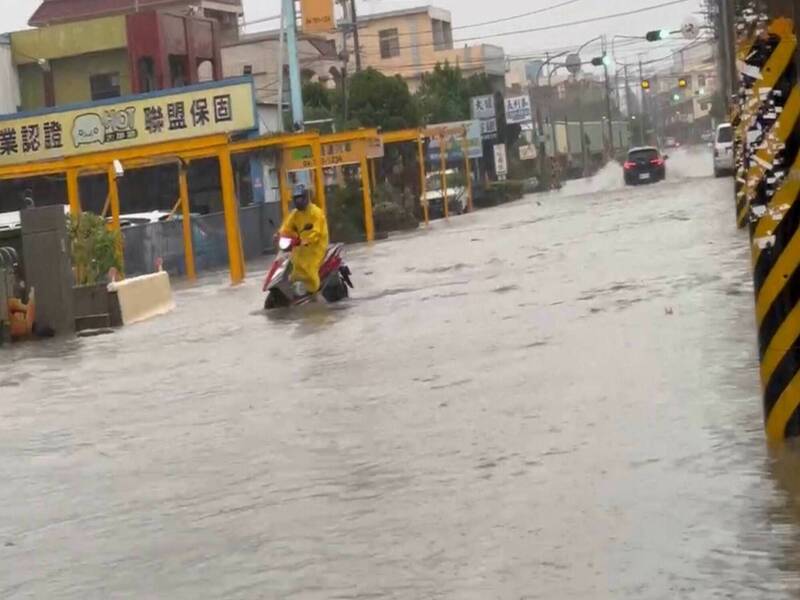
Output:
x=527 y=152
x=489 y=128
x=690 y=28
x=518 y=110
x=573 y=63
x=500 y=161
x=483 y=107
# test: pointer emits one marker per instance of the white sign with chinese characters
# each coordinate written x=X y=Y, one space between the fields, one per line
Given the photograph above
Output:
x=205 y=109
x=518 y=110
x=483 y=110
x=483 y=107
x=500 y=161
x=527 y=152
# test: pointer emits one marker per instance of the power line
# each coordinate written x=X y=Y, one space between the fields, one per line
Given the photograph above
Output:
x=484 y=23
x=555 y=26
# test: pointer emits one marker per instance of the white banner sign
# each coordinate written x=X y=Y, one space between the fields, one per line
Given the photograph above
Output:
x=518 y=110
x=489 y=128
x=500 y=161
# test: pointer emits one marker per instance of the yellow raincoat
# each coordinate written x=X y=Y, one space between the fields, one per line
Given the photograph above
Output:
x=311 y=226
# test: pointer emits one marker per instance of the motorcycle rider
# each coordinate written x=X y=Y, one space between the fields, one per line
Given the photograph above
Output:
x=306 y=223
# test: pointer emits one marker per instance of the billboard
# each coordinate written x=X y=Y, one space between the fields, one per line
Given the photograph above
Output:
x=206 y=109
x=317 y=16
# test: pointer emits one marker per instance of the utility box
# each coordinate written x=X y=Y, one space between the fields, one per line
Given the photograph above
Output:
x=48 y=267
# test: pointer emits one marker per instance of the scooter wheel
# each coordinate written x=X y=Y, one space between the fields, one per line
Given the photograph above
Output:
x=336 y=292
x=275 y=300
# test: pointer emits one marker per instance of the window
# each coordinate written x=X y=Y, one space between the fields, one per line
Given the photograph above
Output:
x=442 y=35
x=105 y=86
x=147 y=75
x=177 y=70
x=725 y=134
x=701 y=81
x=390 y=43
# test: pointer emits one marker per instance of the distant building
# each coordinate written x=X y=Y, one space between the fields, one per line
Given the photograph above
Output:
x=53 y=12
x=412 y=41
x=9 y=83
x=257 y=55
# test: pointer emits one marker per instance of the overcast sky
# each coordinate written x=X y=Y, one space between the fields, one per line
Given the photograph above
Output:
x=17 y=12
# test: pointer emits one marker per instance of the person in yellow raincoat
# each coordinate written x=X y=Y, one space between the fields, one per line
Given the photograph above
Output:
x=307 y=223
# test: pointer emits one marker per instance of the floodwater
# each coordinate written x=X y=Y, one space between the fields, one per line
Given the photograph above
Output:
x=554 y=399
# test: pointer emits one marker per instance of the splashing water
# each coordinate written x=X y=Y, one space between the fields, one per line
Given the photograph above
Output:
x=607 y=179
x=690 y=162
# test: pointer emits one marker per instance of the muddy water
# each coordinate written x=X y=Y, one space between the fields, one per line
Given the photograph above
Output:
x=553 y=399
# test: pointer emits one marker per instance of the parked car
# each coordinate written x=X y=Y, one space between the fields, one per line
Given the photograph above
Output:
x=723 y=150
x=645 y=165
x=456 y=193
x=671 y=142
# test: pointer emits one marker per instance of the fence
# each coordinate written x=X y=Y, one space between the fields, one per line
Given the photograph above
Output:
x=146 y=245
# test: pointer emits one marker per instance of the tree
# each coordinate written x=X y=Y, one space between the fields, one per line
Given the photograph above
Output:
x=376 y=100
x=445 y=93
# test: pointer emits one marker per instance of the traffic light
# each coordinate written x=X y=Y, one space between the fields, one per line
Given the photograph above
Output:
x=646 y=84
x=657 y=35
x=676 y=97
x=599 y=61
x=682 y=82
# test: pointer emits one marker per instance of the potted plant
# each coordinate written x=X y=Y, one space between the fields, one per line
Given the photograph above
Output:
x=95 y=254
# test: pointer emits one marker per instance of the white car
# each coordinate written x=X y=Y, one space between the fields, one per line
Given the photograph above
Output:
x=723 y=150
x=456 y=192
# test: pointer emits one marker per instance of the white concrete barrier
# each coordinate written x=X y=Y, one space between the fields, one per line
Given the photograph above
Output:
x=142 y=298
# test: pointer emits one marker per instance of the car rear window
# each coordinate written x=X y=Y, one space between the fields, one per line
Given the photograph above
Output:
x=725 y=135
x=643 y=155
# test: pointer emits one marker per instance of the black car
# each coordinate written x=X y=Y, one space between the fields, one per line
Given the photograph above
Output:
x=645 y=165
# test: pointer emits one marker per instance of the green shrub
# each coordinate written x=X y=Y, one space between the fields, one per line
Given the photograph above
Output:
x=498 y=192
x=393 y=210
x=346 y=214
x=94 y=249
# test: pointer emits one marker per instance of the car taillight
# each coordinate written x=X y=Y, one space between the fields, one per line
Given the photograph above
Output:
x=659 y=162
x=629 y=164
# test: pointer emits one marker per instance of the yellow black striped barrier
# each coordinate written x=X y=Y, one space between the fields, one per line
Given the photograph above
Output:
x=768 y=68
x=771 y=193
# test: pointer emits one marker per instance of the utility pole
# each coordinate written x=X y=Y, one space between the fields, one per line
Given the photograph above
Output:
x=290 y=25
x=725 y=41
x=356 y=42
x=643 y=107
x=608 y=101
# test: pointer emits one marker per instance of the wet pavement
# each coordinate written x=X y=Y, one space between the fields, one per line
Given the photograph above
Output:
x=556 y=398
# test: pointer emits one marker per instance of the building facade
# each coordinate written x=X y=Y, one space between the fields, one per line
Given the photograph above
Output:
x=9 y=82
x=112 y=56
x=411 y=42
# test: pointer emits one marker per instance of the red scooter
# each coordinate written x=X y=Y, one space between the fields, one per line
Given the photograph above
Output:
x=334 y=275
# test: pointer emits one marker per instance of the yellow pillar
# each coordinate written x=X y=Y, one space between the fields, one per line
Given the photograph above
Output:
x=73 y=193
x=188 y=241
x=113 y=200
x=443 y=166
x=319 y=176
x=369 y=223
x=231 y=207
x=423 y=179
x=468 y=171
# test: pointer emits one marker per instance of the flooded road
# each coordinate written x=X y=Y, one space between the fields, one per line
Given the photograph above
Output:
x=557 y=398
